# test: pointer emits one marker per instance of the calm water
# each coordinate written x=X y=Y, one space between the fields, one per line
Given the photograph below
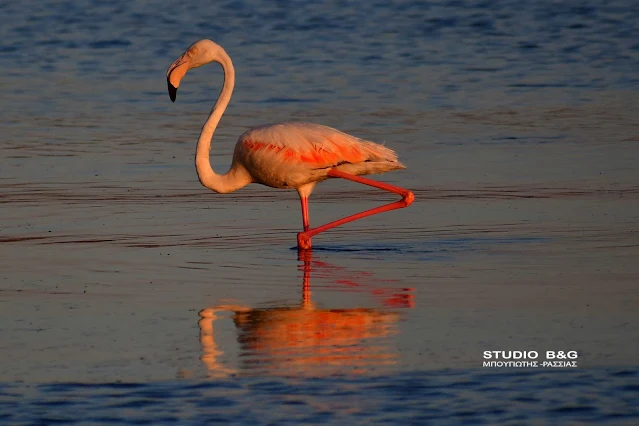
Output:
x=130 y=294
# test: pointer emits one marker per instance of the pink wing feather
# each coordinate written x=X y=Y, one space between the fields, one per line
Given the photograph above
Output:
x=312 y=144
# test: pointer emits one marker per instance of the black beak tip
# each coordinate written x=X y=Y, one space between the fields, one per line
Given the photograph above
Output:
x=172 y=92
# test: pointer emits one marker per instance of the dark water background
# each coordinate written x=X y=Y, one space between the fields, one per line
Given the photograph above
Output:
x=130 y=294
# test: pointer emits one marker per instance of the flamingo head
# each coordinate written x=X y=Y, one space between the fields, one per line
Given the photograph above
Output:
x=199 y=53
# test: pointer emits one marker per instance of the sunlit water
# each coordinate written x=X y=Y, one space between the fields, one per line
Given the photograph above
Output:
x=130 y=293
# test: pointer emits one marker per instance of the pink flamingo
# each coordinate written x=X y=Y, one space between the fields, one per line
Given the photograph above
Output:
x=284 y=155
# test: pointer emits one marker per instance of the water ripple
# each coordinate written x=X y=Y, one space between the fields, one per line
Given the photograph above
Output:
x=473 y=396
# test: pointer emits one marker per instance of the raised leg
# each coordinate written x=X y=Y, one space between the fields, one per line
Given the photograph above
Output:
x=304 y=238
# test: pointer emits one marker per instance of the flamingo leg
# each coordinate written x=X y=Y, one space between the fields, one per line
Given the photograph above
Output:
x=304 y=238
x=304 y=201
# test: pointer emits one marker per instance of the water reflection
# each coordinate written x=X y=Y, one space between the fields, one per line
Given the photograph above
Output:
x=306 y=340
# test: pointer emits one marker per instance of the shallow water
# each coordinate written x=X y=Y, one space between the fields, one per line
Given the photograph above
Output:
x=131 y=293
x=446 y=397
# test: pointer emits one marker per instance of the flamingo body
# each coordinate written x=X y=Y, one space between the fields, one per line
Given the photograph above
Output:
x=292 y=155
x=284 y=155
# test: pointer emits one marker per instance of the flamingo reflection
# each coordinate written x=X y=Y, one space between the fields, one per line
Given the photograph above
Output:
x=304 y=339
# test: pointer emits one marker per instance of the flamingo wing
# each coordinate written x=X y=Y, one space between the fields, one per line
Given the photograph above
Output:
x=312 y=145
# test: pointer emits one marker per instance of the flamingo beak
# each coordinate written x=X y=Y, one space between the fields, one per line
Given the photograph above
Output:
x=175 y=74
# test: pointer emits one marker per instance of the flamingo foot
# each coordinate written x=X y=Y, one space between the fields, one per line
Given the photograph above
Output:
x=303 y=241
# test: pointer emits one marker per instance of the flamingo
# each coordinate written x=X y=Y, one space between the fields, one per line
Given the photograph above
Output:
x=287 y=155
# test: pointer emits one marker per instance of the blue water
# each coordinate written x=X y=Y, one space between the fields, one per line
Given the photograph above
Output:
x=131 y=295
x=447 y=397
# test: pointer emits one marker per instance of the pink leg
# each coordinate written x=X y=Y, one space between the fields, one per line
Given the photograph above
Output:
x=304 y=238
x=305 y=213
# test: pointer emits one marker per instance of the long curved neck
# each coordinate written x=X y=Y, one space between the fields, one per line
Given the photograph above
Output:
x=236 y=177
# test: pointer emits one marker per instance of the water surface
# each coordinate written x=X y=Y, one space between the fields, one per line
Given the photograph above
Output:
x=130 y=293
